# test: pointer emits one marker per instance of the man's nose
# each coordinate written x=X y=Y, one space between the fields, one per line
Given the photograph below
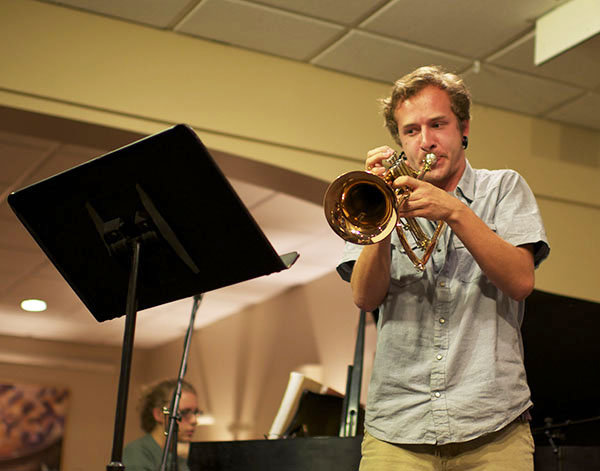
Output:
x=427 y=139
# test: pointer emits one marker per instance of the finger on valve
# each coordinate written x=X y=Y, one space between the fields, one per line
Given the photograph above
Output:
x=376 y=156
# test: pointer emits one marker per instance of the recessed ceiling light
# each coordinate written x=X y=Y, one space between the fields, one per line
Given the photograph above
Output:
x=33 y=305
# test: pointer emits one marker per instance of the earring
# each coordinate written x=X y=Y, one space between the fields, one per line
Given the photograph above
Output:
x=465 y=142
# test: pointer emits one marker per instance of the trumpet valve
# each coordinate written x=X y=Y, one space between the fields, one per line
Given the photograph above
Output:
x=391 y=161
x=402 y=194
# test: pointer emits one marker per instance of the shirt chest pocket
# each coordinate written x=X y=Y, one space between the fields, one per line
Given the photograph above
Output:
x=465 y=267
x=403 y=272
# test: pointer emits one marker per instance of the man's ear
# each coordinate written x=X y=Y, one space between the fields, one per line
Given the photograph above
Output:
x=466 y=127
x=158 y=415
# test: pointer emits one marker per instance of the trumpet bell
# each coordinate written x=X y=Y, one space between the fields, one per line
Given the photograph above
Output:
x=360 y=207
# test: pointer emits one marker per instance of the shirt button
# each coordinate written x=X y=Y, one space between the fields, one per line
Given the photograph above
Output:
x=437 y=394
x=442 y=284
x=442 y=320
x=439 y=356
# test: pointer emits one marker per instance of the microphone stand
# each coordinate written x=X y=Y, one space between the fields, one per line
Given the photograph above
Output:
x=174 y=417
x=351 y=403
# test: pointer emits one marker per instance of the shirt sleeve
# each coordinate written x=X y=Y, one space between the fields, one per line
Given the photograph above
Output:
x=518 y=219
x=349 y=257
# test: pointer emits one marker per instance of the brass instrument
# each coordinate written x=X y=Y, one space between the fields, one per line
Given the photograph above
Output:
x=361 y=208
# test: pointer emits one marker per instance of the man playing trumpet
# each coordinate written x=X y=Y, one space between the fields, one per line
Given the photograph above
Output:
x=448 y=389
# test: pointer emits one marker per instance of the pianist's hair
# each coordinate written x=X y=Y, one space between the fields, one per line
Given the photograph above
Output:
x=158 y=395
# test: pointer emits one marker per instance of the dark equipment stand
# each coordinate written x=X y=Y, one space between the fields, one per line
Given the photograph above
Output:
x=172 y=429
x=139 y=216
x=555 y=433
x=350 y=408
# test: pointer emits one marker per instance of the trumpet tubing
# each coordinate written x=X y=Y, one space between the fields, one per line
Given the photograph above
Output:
x=362 y=208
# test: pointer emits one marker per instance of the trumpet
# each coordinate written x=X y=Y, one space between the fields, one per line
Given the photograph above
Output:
x=362 y=208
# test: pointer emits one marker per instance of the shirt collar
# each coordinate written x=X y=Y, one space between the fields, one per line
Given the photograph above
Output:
x=466 y=184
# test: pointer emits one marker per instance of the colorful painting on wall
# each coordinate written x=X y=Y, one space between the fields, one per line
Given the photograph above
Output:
x=32 y=425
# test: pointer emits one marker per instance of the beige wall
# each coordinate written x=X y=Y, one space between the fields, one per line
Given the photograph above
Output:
x=74 y=65
x=90 y=373
x=562 y=165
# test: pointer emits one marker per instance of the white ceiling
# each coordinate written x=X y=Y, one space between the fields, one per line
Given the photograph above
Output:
x=489 y=42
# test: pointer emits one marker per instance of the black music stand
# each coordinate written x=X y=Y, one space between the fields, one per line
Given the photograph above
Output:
x=147 y=224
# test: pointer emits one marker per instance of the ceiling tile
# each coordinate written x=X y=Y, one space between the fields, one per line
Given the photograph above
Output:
x=324 y=250
x=17 y=264
x=375 y=57
x=18 y=154
x=48 y=271
x=251 y=195
x=260 y=28
x=44 y=326
x=64 y=158
x=13 y=235
x=580 y=112
x=212 y=307
x=5 y=212
x=159 y=13
x=289 y=214
x=340 y=11
x=284 y=240
x=302 y=273
x=462 y=27
x=513 y=91
x=580 y=67
x=59 y=296
x=251 y=291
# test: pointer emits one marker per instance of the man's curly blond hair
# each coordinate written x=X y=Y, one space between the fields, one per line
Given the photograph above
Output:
x=411 y=84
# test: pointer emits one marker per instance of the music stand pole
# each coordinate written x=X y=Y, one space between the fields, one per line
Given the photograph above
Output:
x=171 y=441
x=126 y=354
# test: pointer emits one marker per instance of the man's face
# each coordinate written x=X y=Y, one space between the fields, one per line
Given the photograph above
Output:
x=426 y=123
x=188 y=409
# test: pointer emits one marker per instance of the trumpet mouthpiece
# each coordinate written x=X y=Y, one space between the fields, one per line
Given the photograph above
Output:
x=430 y=159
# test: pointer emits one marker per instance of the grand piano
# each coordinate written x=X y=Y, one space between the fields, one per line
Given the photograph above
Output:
x=560 y=353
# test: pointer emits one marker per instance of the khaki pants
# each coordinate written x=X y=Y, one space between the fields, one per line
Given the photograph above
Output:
x=509 y=449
